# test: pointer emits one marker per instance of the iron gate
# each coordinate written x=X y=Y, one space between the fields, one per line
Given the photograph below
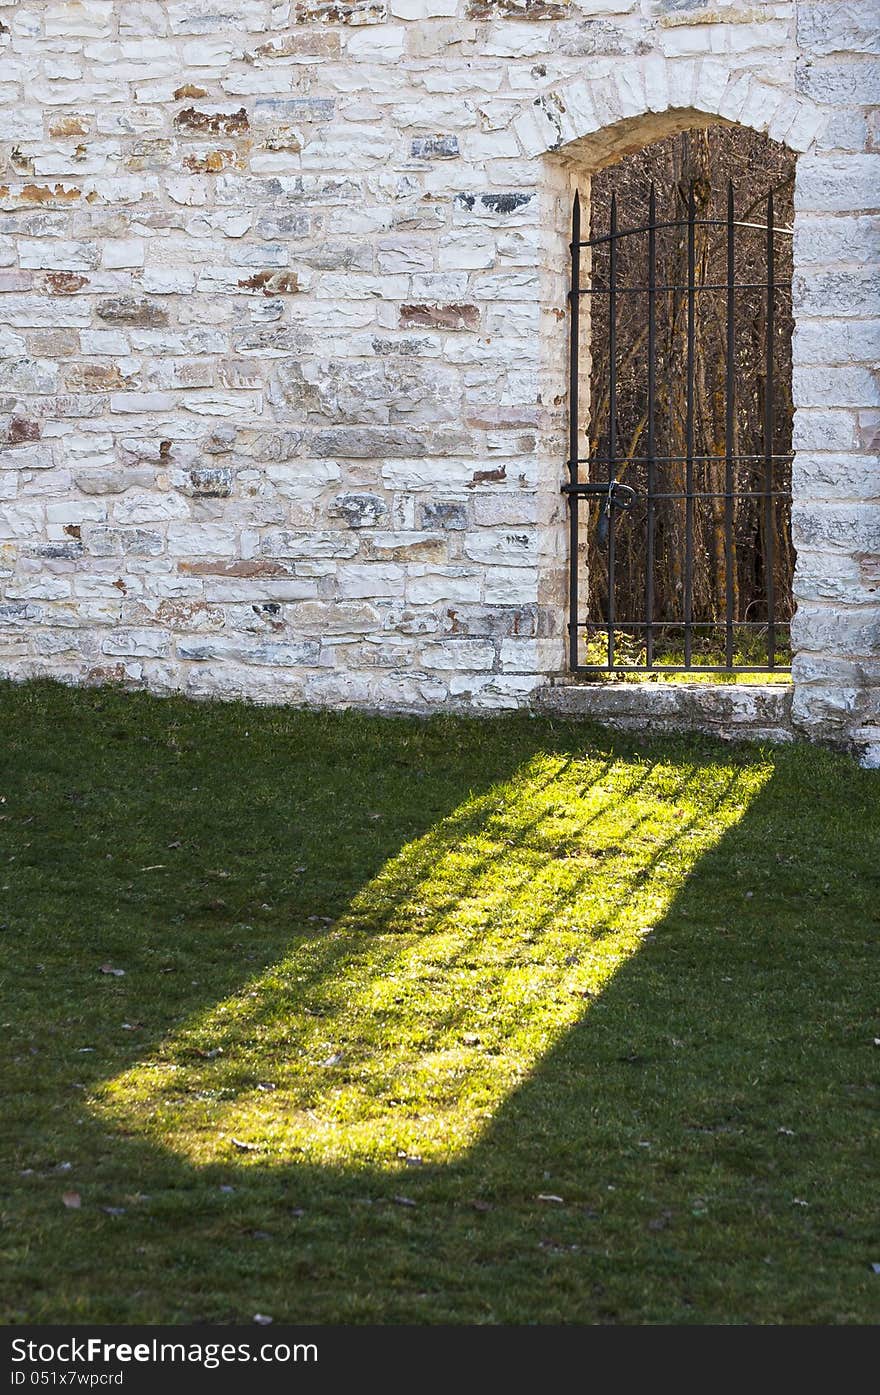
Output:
x=707 y=510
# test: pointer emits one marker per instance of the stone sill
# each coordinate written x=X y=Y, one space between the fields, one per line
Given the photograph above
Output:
x=733 y=711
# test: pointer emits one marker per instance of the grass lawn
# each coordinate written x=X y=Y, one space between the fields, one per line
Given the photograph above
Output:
x=502 y=1021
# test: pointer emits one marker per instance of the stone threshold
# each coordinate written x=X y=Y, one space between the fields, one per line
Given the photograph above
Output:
x=732 y=711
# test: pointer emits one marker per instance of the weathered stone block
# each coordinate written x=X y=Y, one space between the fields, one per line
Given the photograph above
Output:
x=839 y=26
x=145 y=506
x=130 y=310
x=360 y=510
x=434 y=147
x=439 y=316
x=459 y=655
x=143 y=644
x=313 y=545
x=443 y=515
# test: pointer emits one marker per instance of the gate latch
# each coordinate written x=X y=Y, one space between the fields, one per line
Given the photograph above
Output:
x=618 y=496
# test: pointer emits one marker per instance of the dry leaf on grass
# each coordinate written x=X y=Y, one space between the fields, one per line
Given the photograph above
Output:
x=243 y=1147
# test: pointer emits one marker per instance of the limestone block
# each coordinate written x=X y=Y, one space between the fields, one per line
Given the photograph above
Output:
x=836 y=184
x=79 y=19
x=143 y=644
x=825 y=430
x=458 y=655
x=837 y=630
x=839 y=26
x=837 y=525
x=821 y=239
x=836 y=341
x=848 y=477
x=510 y=585
x=373 y=579
x=495 y=692
x=840 y=81
x=147 y=506
x=836 y=386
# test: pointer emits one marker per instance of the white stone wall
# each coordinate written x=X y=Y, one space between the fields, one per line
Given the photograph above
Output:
x=283 y=335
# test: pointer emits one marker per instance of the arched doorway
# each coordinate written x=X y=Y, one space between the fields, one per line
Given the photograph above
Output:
x=680 y=409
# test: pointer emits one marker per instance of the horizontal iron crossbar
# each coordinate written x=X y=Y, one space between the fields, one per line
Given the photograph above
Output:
x=600 y=490
x=689 y=290
x=683 y=223
x=677 y=459
x=598 y=669
x=678 y=624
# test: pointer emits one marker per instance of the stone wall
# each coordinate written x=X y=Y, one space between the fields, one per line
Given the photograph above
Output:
x=282 y=332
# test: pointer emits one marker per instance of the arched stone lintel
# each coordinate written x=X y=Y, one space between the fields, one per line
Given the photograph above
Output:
x=598 y=119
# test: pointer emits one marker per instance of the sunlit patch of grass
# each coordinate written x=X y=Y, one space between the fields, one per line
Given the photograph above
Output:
x=401 y=1026
x=455 y=910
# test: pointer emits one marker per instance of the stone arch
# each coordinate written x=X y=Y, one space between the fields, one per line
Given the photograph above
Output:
x=600 y=118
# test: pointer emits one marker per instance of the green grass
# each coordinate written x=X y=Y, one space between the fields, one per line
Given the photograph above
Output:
x=388 y=983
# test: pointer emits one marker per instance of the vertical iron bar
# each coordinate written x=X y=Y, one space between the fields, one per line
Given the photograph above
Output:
x=689 y=447
x=652 y=389
x=769 y=561
x=612 y=421
x=574 y=305
x=729 y=428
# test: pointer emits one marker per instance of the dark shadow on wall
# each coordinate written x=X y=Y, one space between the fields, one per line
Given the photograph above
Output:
x=705 y=1119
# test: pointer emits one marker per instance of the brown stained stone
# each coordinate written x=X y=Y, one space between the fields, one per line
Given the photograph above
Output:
x=21 y=163
x=106 y=673
x=272 y=282
x=23 y=429
x=129 y=310
x=213 y=163
x=283 y=140
x=93 y=377
x=439 y=316
x=65 y=282
x=308 y=45
x=190 y=90
x=255 y=567
x=66 y=126
x=869 y=567
x=181 y=614
x=489 y=476
x=42 y=193
x=429 y=549
x=212 y=123
x=53 y=343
